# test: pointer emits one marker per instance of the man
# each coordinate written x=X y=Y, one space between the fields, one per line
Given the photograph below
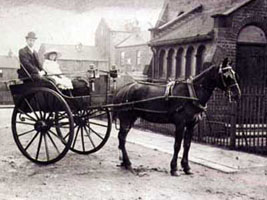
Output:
x=30 y=66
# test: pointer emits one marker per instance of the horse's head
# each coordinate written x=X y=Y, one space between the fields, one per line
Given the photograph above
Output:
x=228 y=81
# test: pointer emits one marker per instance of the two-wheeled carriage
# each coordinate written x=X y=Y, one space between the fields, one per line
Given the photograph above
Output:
x=47 y=123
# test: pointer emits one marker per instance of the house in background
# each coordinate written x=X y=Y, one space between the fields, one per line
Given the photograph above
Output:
x=133 y=54
x=110 y=33
x=76 y=58
x=8 y=71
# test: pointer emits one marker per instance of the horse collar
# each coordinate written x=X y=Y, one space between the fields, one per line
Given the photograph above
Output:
x=192 y=93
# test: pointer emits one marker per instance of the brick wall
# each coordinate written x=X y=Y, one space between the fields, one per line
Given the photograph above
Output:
x=253 y=13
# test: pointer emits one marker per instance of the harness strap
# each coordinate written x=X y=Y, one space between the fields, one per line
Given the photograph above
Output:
x=169 y=90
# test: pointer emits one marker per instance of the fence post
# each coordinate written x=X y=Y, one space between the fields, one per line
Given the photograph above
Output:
x=233 y=125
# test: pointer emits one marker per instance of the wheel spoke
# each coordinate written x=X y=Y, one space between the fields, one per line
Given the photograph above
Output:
x=95 y=132
x=50 y=114
x=46 y=148
x=25 y=123
x=29 y=144
x=21 y=111
x=54 y=144
x=77 y=132
x=98 y=124
x=29 y=105
x=55 y=135
x=88 y=135
x=39 y=146
x=82 y=138
x=24 y=133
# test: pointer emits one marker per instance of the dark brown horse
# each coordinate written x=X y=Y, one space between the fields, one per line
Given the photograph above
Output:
x=179 y=103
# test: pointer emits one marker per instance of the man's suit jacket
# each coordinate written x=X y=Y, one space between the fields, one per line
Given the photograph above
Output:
x=30 y=61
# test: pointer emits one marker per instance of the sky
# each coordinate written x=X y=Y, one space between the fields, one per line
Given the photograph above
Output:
x=61 y=26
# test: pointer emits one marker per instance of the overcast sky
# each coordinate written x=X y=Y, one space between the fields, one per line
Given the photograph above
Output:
x=62 y=25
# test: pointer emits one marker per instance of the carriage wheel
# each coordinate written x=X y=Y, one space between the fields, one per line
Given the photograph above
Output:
x=36 y=118
x=92 y=130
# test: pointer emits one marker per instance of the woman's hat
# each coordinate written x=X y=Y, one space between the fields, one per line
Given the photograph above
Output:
x=50 y=51
x=31 y=35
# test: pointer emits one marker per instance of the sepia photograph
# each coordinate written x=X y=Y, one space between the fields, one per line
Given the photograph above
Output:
x=133 y=100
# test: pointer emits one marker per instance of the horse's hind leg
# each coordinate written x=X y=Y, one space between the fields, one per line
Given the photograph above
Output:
x=125 y=126
x=187 y=143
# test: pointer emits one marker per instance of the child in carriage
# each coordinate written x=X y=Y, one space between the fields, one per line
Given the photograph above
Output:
x=54 y=72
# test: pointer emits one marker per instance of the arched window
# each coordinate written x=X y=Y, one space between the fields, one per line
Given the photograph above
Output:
x=200 y=59
x=252 y=34
x=188 y=64
x=179 y=62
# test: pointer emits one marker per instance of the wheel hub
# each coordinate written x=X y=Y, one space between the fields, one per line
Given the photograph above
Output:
x=41 y=126
x=80 y=121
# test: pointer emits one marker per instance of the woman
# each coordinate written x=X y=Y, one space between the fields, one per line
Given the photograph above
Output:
x=54 y=72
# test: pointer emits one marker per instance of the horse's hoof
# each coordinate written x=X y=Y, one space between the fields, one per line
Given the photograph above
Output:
x=188 y=172
x=174 y=173
x=130 y=169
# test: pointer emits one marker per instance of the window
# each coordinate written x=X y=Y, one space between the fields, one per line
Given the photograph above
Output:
x=129 y=61
x=138 y=57
x=1 y=73
x=122 y=58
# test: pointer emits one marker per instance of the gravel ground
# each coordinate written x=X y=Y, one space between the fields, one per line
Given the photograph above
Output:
x=98 y=176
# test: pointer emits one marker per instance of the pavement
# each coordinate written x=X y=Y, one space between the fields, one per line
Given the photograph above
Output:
x=224 y=160
x=227 y=161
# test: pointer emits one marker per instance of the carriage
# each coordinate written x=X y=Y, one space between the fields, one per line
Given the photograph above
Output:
x=46 y=123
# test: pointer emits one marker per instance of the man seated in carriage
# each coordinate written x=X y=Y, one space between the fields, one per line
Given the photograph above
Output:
x=30 y=65
x=31 y=69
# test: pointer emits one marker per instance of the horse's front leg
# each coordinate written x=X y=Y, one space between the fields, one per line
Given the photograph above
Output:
x=177 y=145
x=187 y=143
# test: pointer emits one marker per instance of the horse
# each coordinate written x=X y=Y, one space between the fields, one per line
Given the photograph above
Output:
x=179 y=103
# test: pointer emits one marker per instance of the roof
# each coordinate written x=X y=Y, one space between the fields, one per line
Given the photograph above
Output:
x=9 y=62
x=135 y=39
x=235 y=8
x=193 y=21
x=75 y=52
x=120 y=25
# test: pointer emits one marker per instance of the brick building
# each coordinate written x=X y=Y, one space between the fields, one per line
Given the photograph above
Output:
x=192 y=32
x=133 y=54
x=76 y=58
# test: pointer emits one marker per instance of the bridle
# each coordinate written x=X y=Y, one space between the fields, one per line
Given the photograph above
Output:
x=227 y=88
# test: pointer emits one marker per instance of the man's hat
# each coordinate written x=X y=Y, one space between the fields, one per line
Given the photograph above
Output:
x=31 y=35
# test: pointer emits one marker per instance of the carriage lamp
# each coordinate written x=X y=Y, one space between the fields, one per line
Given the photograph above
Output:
x=114 y=74
x=92 y=75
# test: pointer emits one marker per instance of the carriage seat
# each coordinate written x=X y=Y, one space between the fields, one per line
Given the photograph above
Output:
x=80 y=85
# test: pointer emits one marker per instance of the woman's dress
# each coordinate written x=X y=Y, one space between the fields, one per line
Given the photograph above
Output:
x=54 y=72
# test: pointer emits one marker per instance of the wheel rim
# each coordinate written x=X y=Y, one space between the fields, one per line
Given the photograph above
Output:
x=92 y=130
x=35 y=121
